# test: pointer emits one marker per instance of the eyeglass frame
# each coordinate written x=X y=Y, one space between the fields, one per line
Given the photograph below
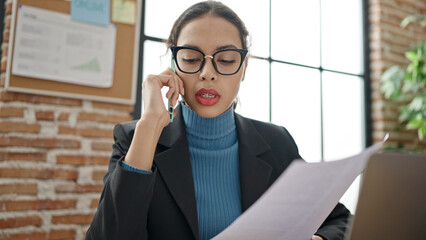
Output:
x=243 y=54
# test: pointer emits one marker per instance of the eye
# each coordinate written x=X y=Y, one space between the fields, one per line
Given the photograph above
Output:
x=226 y=61
x=191 y=60
x=226 y=58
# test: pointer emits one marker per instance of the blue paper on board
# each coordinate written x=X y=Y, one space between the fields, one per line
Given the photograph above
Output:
x=91 y=11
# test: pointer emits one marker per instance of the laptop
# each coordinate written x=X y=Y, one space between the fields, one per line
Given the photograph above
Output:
x=392 y=200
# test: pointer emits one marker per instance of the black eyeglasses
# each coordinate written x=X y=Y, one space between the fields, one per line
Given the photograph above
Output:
x=191 y=60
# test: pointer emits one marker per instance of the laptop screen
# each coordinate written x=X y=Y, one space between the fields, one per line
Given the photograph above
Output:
x=392 y=201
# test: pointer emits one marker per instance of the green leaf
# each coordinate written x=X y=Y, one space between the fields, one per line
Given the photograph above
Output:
x=410 y=87
x=392 y=80
x=412 y=67
x=414 y=18
x=404 y=114
x=422 y=132
x=394 y=72
x=412 y=55
x=407 y=20
x=414 y=123
x=407 y=76
x=416 y=104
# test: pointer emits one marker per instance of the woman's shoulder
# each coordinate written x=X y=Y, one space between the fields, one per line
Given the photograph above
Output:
x=127 y=125
x=279 y=141
x=273 y=134
x=126 y=128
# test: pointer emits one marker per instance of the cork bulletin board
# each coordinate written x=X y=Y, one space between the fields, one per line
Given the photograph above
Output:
x=125 y=68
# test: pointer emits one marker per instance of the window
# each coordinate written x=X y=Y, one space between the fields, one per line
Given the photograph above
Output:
x=306 y=70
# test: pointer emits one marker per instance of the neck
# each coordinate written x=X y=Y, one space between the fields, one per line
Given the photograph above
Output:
x=216 y=130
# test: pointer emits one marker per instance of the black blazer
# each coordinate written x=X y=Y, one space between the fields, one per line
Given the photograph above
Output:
x=162 y=205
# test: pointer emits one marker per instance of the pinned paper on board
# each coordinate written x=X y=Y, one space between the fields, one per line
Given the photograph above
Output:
x=124 y=11
x=91 y=11
x=50 y=46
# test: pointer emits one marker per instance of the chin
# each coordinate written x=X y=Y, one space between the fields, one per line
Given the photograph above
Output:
x=208 y=111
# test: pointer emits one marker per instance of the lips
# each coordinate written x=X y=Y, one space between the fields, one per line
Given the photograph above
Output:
x=207 y=97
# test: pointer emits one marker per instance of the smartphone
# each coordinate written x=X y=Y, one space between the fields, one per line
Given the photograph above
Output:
x=170 y=107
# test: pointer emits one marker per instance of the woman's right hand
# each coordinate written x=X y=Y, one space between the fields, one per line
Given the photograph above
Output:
x=154 y=108
x=154 y=118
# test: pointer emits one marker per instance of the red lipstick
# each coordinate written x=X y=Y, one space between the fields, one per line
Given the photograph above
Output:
x=207 y=97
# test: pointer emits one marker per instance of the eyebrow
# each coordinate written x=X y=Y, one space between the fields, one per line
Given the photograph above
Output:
x=229 y=46
x=226 y=47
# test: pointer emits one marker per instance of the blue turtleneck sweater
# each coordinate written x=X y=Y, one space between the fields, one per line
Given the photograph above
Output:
x=213 y=148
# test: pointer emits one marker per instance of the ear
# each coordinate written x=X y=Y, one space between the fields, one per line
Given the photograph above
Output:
x=244 y=70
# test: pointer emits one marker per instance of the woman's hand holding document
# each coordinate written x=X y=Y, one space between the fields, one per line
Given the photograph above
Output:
x=300 y=200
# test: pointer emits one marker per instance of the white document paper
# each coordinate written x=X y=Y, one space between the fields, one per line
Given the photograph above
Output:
x=299 y=201
x=50 y=46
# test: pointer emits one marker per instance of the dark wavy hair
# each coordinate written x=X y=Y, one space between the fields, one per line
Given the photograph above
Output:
x=200 y=9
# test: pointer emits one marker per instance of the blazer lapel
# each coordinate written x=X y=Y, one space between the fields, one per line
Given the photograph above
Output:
x=174 y=166
x=255 y=172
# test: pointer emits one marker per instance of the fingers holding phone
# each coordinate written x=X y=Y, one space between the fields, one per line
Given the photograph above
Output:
x=152 y=96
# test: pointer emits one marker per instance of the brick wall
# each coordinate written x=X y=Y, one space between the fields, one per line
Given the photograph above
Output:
x=388 y=43
x=53 y=154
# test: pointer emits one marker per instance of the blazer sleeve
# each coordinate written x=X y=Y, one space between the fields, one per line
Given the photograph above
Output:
x=125 y=199
x=335 y=225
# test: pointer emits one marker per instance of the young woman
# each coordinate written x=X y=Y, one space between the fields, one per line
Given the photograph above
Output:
x=192 y=178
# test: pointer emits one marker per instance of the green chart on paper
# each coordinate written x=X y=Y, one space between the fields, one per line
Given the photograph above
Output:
x=90 y=66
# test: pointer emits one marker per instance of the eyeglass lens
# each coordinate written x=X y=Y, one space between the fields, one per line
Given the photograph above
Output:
x=227 y=62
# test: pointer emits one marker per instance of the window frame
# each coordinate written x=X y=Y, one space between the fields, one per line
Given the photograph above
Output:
x=365 y=75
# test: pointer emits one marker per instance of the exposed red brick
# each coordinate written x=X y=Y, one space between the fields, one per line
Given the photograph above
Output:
x=38 y=142
x=7 y=22
x=119 y=107
x=23 y=156
x=80 y=160
x=11 y=112
x=86 y=132
x=5 y=50
x=20 y=222
x=81 y=219
x=4 y=62
x=25 y=97
x=24 y=236
x=19 y=127
x=6 y=35
x=61 y=234
x=29 y=189
x=55 y=234
x=77 y=188
x=413 y=5
x=102 y=146
x=64 y=117
x=107 y=118
x=8 y=9
x=26 y=205
x=94 y=203
x=45 y=115
x=98 y=175
x=38 y=173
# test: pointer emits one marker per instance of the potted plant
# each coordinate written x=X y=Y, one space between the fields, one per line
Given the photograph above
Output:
x=406 y=84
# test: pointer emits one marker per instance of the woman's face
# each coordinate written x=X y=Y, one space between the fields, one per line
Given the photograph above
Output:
x=207 y=92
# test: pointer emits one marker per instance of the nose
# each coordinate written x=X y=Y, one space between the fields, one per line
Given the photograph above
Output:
x=208 y=72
